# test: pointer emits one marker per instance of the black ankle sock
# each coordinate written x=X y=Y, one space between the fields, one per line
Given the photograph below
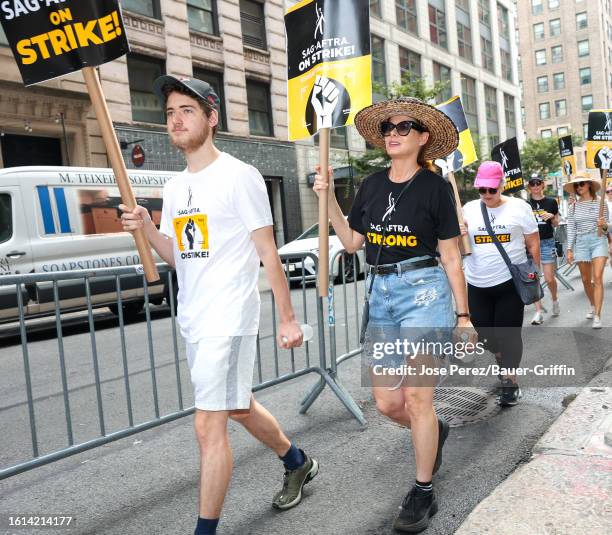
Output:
x=206 y=526
x=424 y=488
x=294 y=458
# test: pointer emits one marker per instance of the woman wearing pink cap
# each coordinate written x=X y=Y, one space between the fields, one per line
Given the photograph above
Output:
x=496 y=307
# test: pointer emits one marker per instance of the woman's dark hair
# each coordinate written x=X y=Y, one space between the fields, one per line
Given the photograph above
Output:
x=422 y=162
x=168 y=89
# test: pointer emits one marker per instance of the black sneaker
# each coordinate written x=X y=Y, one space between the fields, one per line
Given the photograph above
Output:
x=510 y=394
x=417 y=508
x=443 y=429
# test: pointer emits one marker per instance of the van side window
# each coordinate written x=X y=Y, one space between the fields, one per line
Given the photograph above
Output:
x=6 y=217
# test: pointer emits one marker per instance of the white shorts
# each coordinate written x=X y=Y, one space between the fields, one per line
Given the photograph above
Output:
x=221 y=370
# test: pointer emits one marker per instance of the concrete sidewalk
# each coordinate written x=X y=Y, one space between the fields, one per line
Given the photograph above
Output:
x=566 y=487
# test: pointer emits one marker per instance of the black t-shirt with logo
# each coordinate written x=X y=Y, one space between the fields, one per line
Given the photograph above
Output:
x=425 y=214
x=547 y=204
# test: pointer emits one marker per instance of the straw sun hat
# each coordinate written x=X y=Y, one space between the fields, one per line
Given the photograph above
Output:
x=570 y=186
x=443 y=135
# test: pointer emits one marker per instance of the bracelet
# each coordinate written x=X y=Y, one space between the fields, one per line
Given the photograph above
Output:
x=463 y=314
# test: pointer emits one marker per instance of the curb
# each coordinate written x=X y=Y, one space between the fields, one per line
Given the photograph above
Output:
x=566 y=486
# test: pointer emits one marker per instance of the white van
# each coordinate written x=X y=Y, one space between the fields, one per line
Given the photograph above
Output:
x=64 y=219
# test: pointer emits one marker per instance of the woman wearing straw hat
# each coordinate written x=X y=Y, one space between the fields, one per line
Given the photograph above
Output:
x=584 y=244
x=496 y=306
x=406 y=214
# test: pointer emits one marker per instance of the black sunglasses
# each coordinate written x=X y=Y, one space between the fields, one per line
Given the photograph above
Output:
x=535 y=182
x=580 y=184
x=490 y=191
x=403 y=127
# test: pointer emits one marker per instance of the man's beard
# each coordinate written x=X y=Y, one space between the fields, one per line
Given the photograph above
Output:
x=194 y=142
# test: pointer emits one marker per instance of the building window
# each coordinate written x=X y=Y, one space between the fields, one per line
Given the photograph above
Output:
x=437 y=26
x=215 y=79
x=510 y=114
x=464 y=42
x=562 y=131
x=504 y=24
x=559 y=80
x=545 y=134
x=555 y=27
x=540 y=57
x=585 y=75
x=581 y=21
x=487 y=54
x=410 y=62
x=553 y=4
x=587 y=102
x=583 y=48
x=484 y=12
x=406 y=14
x=506 y=64
x=556 y=54
x=468 y=99
x=142 y=72
x=538 y=31
x=544 y=110
x=561 y=108
x=253 y=24
x=260 y=115
x=149 y=8
x=536 y=7
x=202 y=16
x=378 y=60
x=3 y=39
x=491 y=103
x=442 y=73
x=542 y=82
x=375 y=8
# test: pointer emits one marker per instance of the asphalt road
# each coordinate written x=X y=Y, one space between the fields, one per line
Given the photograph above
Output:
x=148 y=482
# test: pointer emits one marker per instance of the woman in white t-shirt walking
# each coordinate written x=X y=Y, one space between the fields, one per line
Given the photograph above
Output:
x=496 y=307
x=584 y=244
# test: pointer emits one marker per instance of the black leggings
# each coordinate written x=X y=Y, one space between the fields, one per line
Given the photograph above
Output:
x=497 y=314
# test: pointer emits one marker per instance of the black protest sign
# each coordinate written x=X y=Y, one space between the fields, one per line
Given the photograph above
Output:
x=51 y=38
x=599 y=140
x=329 y=64
x=507 y=154
x=568 y=160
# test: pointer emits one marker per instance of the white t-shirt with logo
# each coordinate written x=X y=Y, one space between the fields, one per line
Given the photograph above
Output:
x=210 y=216
x=510 y=221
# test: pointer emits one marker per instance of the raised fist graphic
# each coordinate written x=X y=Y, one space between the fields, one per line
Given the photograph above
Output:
x=605 y=158
x=325 y=96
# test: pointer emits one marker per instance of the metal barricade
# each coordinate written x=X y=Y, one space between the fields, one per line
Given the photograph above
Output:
x=117 y=401
x=344 y=328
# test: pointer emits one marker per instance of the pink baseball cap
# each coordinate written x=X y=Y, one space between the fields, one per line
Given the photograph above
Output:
x=489 y=175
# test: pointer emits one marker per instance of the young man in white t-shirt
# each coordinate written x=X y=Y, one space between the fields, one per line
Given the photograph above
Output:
x=216 y=226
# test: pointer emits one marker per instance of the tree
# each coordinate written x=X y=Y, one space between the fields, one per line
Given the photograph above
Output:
x=541 y=156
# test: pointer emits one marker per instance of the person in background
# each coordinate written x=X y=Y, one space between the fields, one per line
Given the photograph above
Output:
x=497 y=309
x=609 y=203
x=584 y=244
x=546 y=213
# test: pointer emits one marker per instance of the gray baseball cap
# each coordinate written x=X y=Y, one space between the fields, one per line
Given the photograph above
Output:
x=199 y=88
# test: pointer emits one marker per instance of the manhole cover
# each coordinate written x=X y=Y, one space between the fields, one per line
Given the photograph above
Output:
x=462 y=406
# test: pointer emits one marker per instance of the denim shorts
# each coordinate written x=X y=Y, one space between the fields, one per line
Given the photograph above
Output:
x=416 y=305
x=548 y=251
x=589 y=246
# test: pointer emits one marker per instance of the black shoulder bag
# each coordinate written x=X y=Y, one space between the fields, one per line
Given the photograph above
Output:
x=524 y=275
x=365 y=317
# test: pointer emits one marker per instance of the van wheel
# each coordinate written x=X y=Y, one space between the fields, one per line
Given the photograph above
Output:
x=130 y=310
x=345 y=265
